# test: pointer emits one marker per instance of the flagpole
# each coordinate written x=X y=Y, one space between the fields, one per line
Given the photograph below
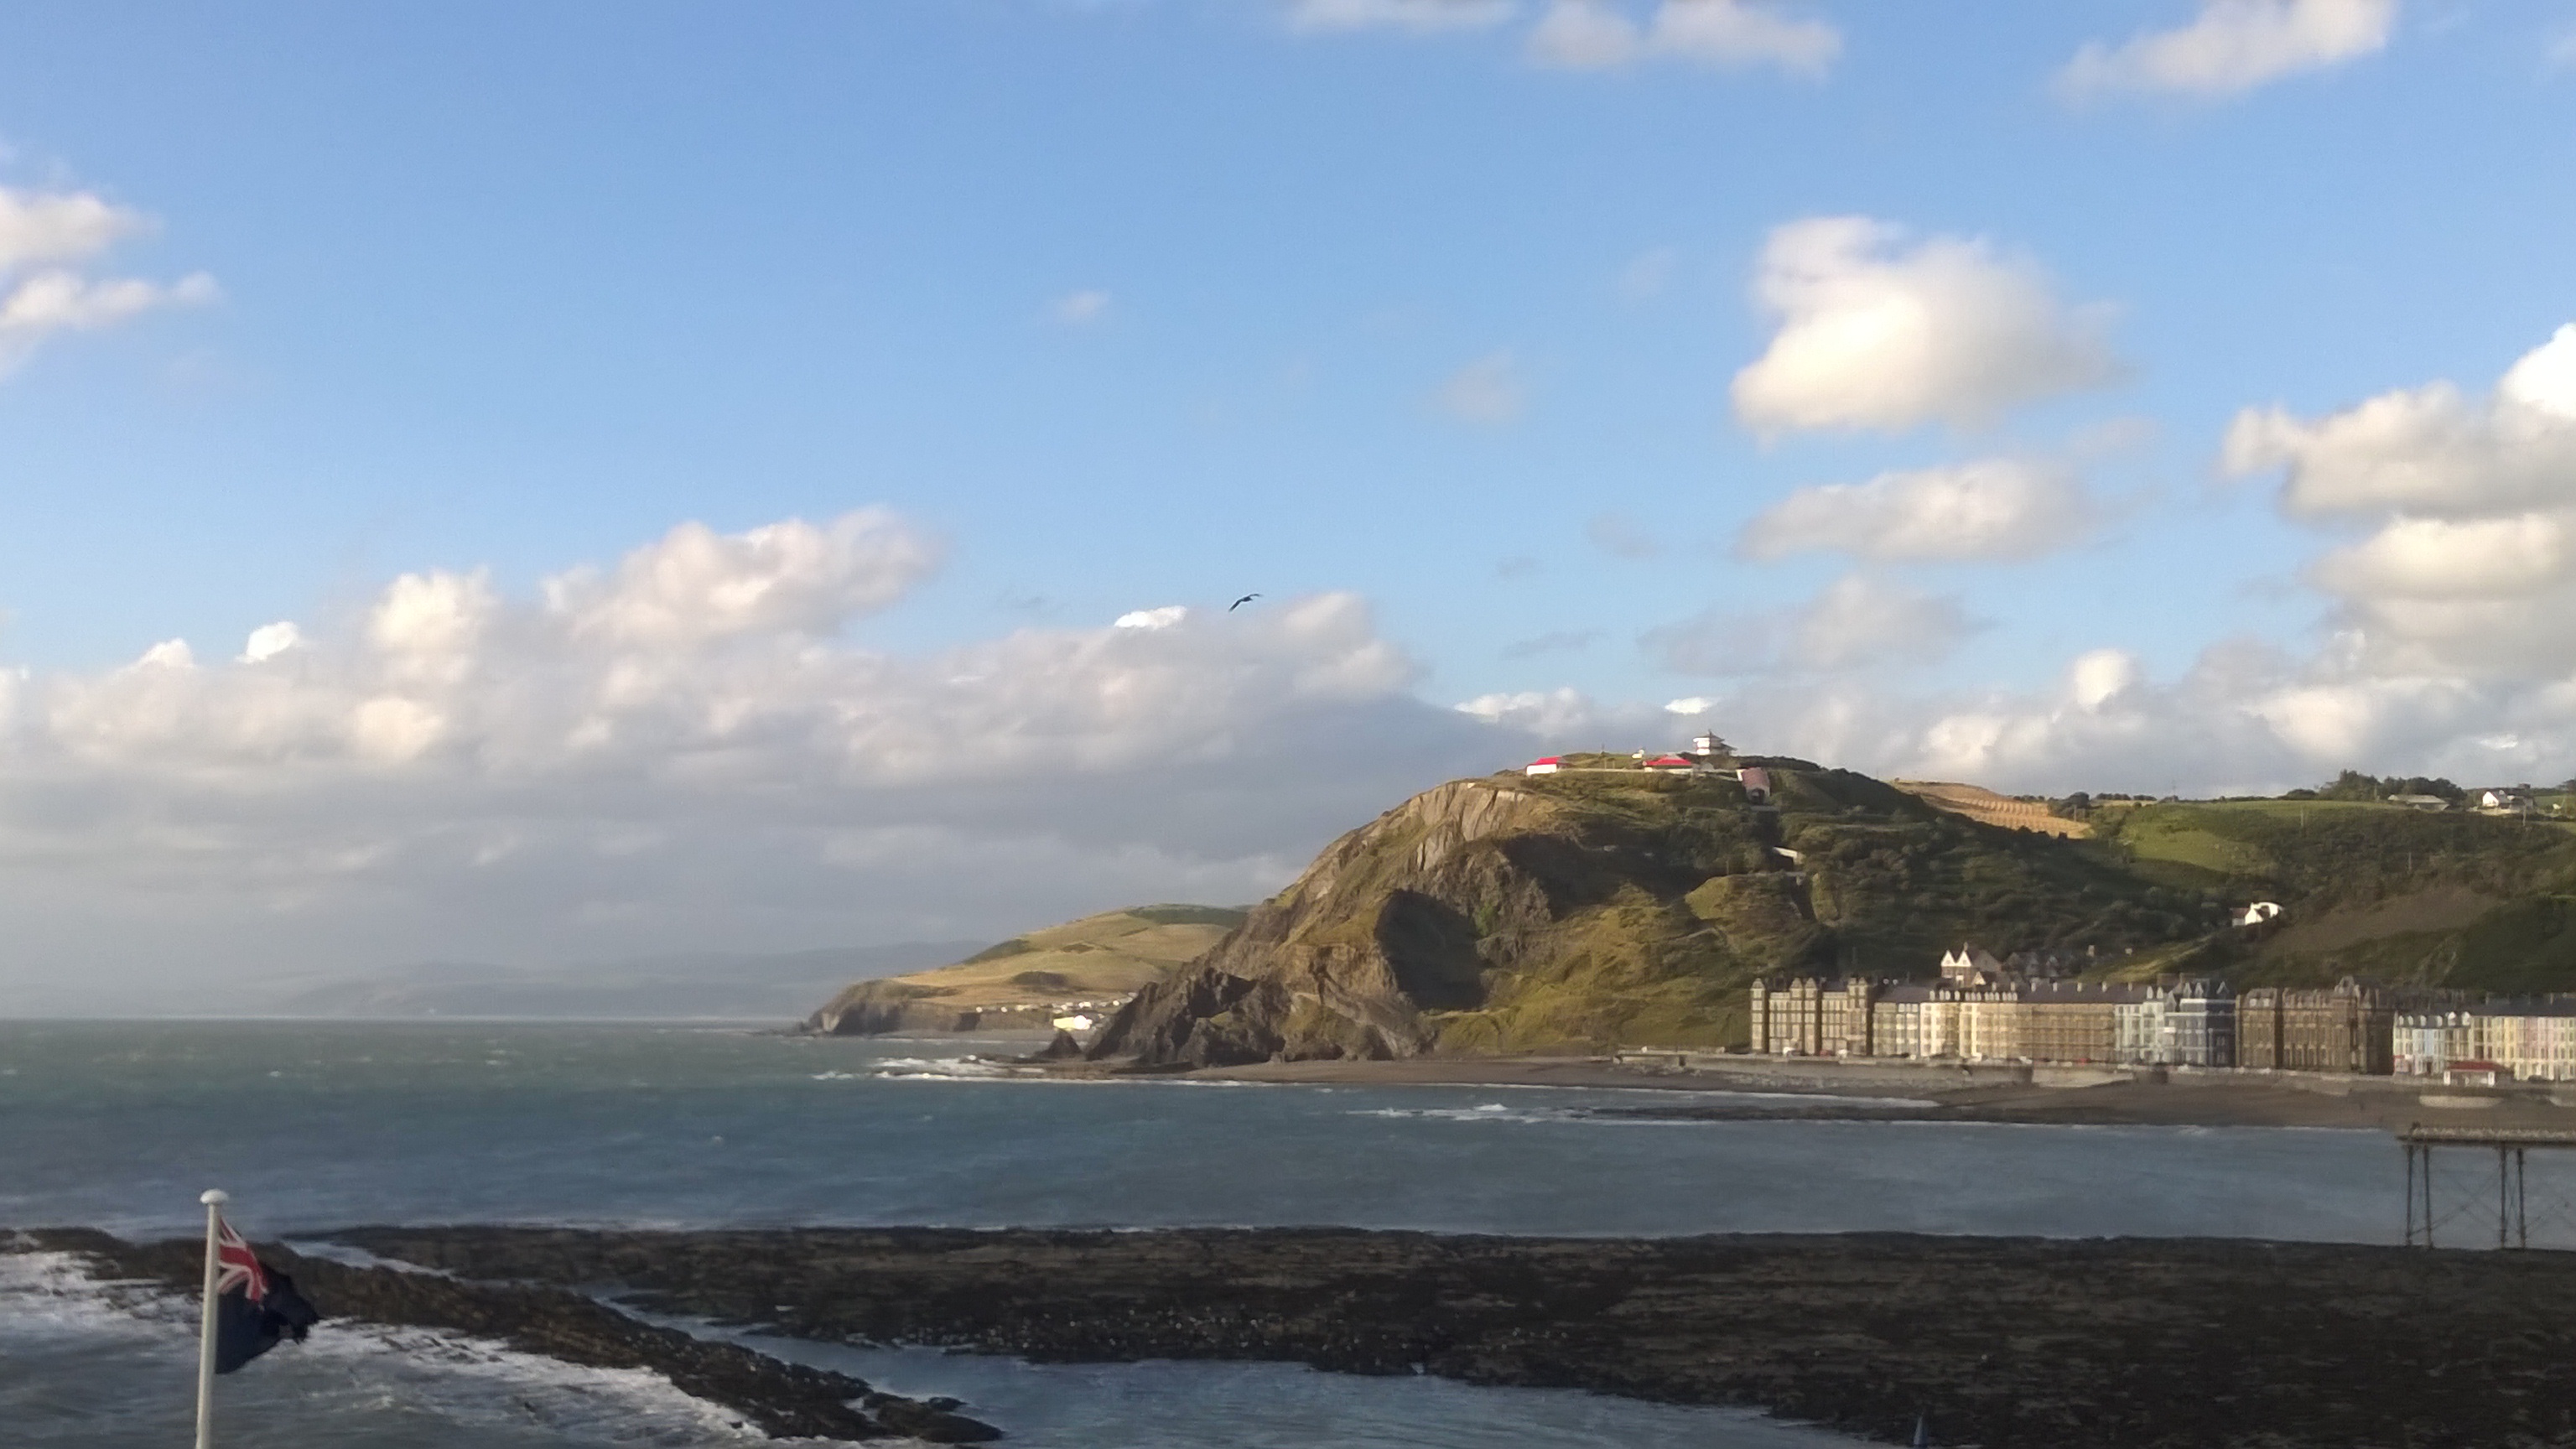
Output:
x=214 y=1200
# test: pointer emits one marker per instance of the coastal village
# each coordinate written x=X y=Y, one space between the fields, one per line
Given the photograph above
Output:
x=2034 y=1007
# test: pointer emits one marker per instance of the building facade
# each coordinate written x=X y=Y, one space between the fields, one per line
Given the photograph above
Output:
x=1972 y=1016
x=2530 y=1039
x=2347 y=1027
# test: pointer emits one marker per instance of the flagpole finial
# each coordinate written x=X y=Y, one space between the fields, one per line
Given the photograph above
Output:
x=214 y=1197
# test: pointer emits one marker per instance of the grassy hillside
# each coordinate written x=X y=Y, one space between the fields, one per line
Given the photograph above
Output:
x=1023 y=981
x=2448 y=899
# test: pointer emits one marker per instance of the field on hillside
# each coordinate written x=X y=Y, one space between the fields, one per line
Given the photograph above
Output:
x=1986 y=807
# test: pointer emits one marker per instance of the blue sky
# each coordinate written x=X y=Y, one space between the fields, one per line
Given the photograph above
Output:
x=1387 y=304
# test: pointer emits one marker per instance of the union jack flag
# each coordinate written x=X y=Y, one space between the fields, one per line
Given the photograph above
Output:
x=255 y=1305
x=237 y=1268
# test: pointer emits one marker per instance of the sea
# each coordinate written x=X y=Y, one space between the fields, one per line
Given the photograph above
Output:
x=312 y=1125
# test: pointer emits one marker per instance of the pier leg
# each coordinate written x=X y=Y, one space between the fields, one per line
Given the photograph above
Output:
x=2428 y=1195
x=2504 y=1193
x=2521 y=1207
x=2410 y=1194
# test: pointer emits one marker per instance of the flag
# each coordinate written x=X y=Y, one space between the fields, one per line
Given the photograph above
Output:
x=255 y=1305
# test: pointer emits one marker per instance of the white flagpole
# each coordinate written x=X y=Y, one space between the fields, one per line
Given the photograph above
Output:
x=214 y=1200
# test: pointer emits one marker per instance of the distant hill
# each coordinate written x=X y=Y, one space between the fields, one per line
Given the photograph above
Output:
x=1595 y=908
x=1093 y=964
x=709 y=985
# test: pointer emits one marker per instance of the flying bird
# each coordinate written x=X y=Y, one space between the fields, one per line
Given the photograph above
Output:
x=1239 y=603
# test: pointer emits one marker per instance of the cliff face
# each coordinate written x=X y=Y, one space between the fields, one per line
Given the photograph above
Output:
x=1512 y=914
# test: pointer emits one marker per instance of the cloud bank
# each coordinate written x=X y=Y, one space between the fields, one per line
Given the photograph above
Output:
x=685 y=749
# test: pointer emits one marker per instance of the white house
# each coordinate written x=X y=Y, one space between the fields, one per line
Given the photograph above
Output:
x=1547 y=766
x=2259 y=912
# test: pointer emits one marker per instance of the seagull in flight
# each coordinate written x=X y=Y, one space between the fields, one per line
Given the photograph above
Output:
x=1239 y=603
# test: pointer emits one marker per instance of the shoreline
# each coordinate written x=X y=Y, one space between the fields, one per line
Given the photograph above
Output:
x=1926 y=1093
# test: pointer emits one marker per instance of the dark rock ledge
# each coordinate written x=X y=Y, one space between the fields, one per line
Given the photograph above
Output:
x=2012 y=1343
x=782 y=1400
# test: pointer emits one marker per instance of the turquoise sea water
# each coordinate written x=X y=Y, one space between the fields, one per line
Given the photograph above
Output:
x=311 y=1126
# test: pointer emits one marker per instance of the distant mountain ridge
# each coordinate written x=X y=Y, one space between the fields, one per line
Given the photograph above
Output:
x=710 y=985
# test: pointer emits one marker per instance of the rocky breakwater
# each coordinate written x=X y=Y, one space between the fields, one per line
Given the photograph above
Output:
x=784 y=1401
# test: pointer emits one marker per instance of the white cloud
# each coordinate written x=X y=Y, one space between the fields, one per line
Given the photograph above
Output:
x=1600 y=35
x=2233 y=46
x=42 y=292
x=1418 y=16
x=696 y=586
x=58 y=301
x=1163 y=618
x=1697 y=704
x=1585 y=35
x=1076 y=308
x=1994 y=508
x=1487 y=391
x=2430 y=449
x=1855 y=622
x=1549 y=713
x=681 y=751
x=46 y=228
x=2441 y=558
x=1876 y=334
x=2471 y=569
x=269 y=641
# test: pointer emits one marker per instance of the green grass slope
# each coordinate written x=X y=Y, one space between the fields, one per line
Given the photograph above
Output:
x=1019 y=982
x=2444 y=899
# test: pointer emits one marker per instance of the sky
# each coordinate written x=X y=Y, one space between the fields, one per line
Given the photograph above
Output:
x=553 y=483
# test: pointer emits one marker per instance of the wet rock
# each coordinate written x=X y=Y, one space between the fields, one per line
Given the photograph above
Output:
x=783 y=1400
